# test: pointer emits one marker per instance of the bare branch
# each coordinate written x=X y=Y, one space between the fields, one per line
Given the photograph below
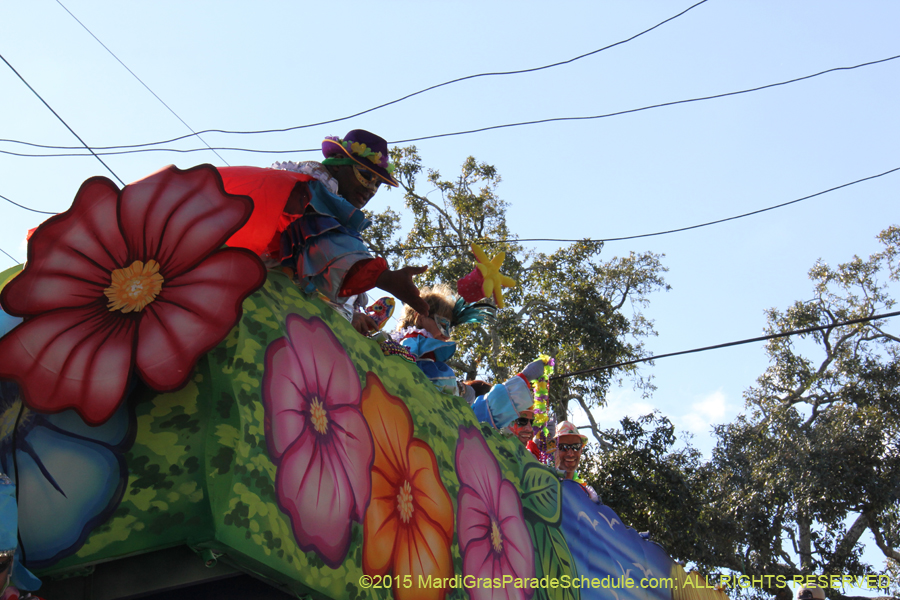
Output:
x=447 y=218
x=594 y=429
x=879 y=541
x=851 y=537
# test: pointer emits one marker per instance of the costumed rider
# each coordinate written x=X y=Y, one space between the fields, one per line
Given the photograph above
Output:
x=506 y=401
x=569 y=447
x=523 y=429
x=308 y=218
x=502 y=404
x=12 y=572
x=428 y=339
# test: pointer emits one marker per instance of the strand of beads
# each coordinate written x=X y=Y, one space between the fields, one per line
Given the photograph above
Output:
x=541 y=416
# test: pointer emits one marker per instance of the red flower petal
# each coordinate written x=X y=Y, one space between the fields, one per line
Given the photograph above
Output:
x=474 y=520
x=323 y=368
x=285 y=404
x=314 y=490
x=177 y=217
x=352 y=446
x=71 y=255
x=192 y=314
x=518 y=547
x=71 y=358
x=481 y=470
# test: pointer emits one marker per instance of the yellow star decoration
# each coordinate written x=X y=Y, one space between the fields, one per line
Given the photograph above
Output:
x=494 y=280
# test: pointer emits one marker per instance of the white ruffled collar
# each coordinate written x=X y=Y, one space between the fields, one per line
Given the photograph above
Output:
x=405 y=332
x=311 y=168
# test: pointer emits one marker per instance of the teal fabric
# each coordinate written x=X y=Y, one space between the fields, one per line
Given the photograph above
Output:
x=326 y=240
x=422 y=345
x=9 y=527
x=327 y=203
x=440 y=374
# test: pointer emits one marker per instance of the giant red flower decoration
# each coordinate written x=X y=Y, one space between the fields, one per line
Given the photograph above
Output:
x=126 y=279
x=409 y=522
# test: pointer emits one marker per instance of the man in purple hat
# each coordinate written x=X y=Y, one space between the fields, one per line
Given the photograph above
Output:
x=324 y=244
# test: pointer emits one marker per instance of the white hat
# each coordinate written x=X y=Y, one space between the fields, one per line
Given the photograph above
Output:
x=810 y=592
x=567 y=428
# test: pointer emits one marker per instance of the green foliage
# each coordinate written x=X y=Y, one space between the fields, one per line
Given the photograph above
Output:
x=824 y=434
x=542 y=503
x=793 y=485
x=570 y=304
x=654 y=486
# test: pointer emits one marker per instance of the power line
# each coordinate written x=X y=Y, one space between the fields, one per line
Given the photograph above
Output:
x=380 y=106
x=613 y=239
x=43 y=212
x=140 y=81
x=644 y=235
x=61 y=119
x=728 y=344
x=8 y=254
x=634 y=110
x=139 y=147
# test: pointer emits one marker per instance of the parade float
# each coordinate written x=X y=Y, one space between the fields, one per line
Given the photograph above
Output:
x=173 y=413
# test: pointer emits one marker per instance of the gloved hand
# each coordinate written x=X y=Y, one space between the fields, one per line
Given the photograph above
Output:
x=533 y=370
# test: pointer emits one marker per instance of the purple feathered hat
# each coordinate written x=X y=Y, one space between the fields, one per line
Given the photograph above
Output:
x=364 y=148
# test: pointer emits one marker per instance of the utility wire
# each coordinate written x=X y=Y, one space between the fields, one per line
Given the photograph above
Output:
x=61 y=120
x=634 y=110
x=8 y=254
x=380 y=106
x=43 y=212
x=644 y=235
x=191 y=129
x=728 y=344
x=141 y=148
x=600 y=241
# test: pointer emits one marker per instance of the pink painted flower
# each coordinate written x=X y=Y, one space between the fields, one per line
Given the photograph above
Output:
x=493 y=537
x=124 y=280
x=317 y=437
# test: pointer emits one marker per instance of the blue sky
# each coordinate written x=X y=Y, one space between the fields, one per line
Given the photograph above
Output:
x=267 y=64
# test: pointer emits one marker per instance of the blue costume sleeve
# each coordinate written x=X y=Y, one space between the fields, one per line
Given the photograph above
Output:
x=421 y=345
x=440 y=373
x=325 y=241
x=501 y=405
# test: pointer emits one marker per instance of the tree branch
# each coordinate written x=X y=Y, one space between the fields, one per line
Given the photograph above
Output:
x=440 y=211
x=851 y=537
x=879 y=541
x=594 y=429
x=803 y=524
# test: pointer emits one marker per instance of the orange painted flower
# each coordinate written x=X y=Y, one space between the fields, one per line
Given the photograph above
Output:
x=409 y=523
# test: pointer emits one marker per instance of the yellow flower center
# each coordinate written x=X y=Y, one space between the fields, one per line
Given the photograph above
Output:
x=496 y=538
x=132 y=288
x=318 y=416
x=405 y=502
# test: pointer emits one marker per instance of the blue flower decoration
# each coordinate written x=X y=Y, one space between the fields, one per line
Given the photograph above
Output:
x=70 y=476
